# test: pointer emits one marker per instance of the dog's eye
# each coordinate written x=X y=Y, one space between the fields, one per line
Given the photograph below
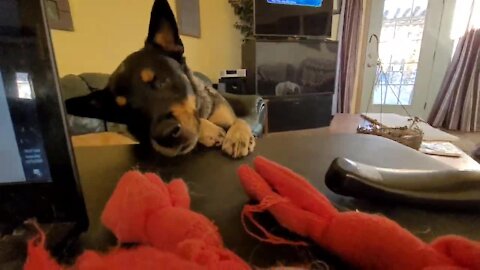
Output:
x=169 y=116
x=158 y=84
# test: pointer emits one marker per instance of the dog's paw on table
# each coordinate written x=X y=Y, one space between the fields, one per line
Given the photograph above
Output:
x=210 y=134
x=239 y=141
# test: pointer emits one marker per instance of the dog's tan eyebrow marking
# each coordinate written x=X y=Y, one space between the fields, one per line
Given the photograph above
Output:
x=147 y=75
x=121 y=101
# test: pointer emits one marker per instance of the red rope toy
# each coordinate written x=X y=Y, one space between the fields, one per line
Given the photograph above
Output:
x=365 y=241
x=145 y=210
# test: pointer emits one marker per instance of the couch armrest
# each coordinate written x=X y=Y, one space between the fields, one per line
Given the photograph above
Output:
x=75 y=87
x=81 y=85
x=251 y=108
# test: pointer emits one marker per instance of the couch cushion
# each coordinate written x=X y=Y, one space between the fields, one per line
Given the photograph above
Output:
x=73 y=86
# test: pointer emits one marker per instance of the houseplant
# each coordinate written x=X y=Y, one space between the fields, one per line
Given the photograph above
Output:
x=244 y=11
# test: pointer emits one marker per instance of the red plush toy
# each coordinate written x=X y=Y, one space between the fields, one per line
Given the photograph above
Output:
x=145 y=210
x=365 y=241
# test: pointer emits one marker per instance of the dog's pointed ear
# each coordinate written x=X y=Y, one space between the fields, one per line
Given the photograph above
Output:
x=163 y=29
x=101 y=104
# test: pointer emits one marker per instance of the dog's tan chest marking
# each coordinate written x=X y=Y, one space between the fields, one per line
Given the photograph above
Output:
x=223 y=116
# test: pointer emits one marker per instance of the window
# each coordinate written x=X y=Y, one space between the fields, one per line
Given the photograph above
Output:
x=399 y=48
x=24 y=86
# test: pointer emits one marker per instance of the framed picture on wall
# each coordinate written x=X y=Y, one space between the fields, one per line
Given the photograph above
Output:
x=59 y=15
x=188 y=16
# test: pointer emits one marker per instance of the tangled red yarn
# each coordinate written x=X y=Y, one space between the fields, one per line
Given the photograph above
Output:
x=145 y=210
x=365 y=241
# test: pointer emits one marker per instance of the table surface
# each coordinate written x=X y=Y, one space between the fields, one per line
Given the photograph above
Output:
x=348 y=123
x=216 y=191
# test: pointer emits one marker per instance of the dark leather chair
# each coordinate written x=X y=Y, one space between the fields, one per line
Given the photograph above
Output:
x=249 y=107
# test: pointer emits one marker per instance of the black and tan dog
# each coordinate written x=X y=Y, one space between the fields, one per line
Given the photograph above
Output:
x=154 y=92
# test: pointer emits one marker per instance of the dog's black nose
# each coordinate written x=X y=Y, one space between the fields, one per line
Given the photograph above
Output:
x=167 y=133
x=176 y=131
x=171 y=132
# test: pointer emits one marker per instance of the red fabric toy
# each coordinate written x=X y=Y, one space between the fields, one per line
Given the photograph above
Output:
x=145 y=210
x=365 y=241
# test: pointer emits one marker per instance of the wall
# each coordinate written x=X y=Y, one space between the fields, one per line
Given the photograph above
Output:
x=106 y=31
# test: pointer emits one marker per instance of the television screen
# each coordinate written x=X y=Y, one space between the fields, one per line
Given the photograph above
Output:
x=295 y=68
x=293 y=17
x=306 y=3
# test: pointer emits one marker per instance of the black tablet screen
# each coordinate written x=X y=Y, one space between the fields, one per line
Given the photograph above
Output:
x=22 y=152
x=37 y=169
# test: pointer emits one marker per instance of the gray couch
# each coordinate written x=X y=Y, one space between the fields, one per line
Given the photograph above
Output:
x=249 y=107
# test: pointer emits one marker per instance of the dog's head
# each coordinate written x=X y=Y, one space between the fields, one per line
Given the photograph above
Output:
x=158 y=101
x=151 y=91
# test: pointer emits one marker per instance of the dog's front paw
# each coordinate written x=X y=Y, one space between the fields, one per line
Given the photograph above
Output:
x=239 y=141
x=210 y=134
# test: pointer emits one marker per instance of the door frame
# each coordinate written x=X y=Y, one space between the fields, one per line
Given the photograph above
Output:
x=432 y=63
